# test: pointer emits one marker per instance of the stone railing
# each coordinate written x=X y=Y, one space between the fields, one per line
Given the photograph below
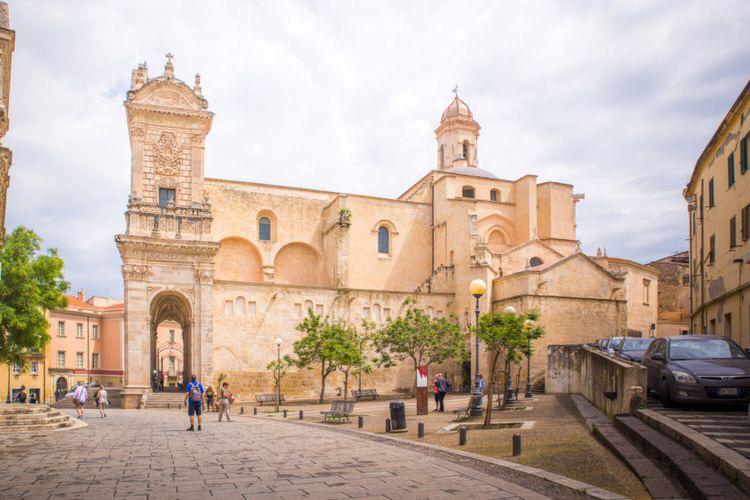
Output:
x=192 y=223
x=614 y=386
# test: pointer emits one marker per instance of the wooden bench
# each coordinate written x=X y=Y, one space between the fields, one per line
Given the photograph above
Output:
x=268 y=398
x=365 y=393
x=463 y=413
x=341 y=410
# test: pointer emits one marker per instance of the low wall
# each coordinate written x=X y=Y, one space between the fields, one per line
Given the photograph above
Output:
x=614 y=386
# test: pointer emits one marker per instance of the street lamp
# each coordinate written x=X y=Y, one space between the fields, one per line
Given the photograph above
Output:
x=528 y=324
x=278 y=372
x=510 y=311
x=477 y=288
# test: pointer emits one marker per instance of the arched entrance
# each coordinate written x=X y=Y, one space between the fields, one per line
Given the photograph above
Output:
x=171 y=317
x=61 y=388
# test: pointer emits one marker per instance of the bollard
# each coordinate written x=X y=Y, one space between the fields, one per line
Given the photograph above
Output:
x=255 y=410
x=179 y=406
x=360 y=421
x=420 y=430
x=516 y=445
x=284 y=413
x=387 y=425
x=242 y=410
x=301 y=415
x=167 y=406
x=462 y=436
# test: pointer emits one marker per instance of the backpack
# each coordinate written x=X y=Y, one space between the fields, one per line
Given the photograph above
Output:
x=195 y=393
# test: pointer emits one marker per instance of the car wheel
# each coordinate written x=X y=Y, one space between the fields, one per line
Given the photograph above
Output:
x=664 y=396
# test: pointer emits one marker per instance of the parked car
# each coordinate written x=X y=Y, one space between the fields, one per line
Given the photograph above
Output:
x=602 y=344
x=632 y=348
x=614 y=343
x=698 y=369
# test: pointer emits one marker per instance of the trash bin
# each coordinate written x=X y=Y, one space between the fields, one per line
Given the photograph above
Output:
x=398 y=416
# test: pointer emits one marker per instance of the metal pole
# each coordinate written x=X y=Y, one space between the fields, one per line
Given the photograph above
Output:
x=528 y=373
x=516 y=445
x=462 y=436
x=278 y=376
x=476 y=347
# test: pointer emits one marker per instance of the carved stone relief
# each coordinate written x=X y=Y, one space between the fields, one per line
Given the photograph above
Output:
x=167 y=152
x=135 y=271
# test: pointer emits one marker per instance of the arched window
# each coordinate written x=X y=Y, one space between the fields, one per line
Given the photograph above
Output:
x=264 y=229
x=467 y=192
x=535 y=261
x=383 y=240
x=466 y=150
x=495 y=195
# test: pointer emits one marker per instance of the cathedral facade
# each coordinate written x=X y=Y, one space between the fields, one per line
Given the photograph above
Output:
x=237 y=264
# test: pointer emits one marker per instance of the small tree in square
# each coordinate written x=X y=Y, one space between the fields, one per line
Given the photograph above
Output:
x=420 y=338
x=507 y=337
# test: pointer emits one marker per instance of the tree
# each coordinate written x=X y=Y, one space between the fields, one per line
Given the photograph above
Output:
x=350 y=356
x=325 y=343
x=365 y=336
x=31 y=282
x=507 y=337
x=418 y=337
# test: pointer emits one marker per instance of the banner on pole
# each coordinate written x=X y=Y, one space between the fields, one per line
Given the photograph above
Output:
x=421 y=376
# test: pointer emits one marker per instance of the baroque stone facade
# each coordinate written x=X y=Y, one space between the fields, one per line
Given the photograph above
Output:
x=7 y=45
x=237 y=264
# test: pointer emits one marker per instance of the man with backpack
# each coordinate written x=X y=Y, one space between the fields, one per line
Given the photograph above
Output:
x=194 y=401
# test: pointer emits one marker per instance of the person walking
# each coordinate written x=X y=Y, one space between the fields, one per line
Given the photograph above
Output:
x=79 y=398
x=21 y=396
x=210 y=398
x=225 y=401
x=435 y=391
x=102 y=402
x=194 y=395
x=443 y=387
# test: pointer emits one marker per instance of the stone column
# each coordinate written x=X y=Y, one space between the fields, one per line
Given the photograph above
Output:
x=203 y=333
x=137 y=334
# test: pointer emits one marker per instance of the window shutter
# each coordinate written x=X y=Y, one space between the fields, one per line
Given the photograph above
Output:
x=730 y=169
x=743 y=154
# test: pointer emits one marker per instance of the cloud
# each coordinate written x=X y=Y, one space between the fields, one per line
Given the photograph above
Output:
x=616 y=98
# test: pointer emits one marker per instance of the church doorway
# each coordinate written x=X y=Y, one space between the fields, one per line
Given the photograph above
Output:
x=171 y=320
x=61 y=388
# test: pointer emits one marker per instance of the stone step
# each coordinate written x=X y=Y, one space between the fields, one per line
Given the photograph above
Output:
x=38 y=427
x=29 y=416
x=34 y=421
x=14 y=409
x=698 y=478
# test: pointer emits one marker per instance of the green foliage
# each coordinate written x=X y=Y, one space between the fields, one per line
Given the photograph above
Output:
x=279 y=369
x=330 y=345
x=418 y=337
x=32 y=282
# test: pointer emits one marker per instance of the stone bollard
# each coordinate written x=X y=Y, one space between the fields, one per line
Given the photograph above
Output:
x=387 y=425
x=167 y=406
x=516 y=445
x=285 y=413
x=420 y=430
x=462 y=436
x=255 y=410
x=360 y=421
x=179 y=406
x=242 y=410
x=301 y=415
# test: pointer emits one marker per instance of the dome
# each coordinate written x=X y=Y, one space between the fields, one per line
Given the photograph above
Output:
x=456 y=108
x=472 y=171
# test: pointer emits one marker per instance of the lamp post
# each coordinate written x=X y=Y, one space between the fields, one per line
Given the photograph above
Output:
x=477 y=288
x=739 y=262
x=278 y=372
x=510 y=311
x=528 y=324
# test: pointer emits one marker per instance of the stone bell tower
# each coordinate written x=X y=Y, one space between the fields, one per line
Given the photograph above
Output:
x=167 y=251
x=457 y=136
x=7 y=44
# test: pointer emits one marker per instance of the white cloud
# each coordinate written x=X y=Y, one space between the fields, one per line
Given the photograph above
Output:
x=617 y=99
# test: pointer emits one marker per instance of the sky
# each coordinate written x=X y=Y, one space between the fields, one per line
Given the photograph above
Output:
x=616 y=98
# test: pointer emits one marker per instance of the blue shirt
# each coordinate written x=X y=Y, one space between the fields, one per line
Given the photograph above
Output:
x=190 y=386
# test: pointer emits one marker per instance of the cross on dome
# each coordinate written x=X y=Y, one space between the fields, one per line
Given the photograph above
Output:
x=169 y=57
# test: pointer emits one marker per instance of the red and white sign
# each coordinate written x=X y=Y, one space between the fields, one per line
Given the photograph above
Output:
x=422 y=376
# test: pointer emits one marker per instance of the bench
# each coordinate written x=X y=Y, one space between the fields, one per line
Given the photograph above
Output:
x=463 y=413
x=341 y=410
x=365 y=393
x=268 y=398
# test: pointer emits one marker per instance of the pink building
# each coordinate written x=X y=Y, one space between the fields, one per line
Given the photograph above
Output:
x=86 y=343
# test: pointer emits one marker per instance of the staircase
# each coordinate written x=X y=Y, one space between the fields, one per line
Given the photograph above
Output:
x=165 y=400
x=699 y=478
x=28 y=417
x=113 y=395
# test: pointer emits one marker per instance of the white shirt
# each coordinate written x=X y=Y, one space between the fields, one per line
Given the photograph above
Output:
x=80 y=393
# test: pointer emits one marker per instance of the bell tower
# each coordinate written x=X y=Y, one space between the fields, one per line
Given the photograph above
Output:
x=457 y=136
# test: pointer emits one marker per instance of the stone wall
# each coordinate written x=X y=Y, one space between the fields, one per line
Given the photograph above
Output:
x=610 y=384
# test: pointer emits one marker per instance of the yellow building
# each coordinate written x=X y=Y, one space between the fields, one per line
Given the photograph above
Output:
x=32 y=374
x=718 y=197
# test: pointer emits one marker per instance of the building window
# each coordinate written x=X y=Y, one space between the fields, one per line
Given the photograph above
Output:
x=79 y=330
x=495 y=195
x=61 y=328
x=61 y=359
x=712 y=326
x=171 y=336
x=732 y=232
x=712 y=249
x=466 y=150
x=264 y=229
x=711 y=200
x=646 y=291
x=166 y=196
x=730 y=169
x=365 y=313
x=535 y=261
x=467 y=192
x=743 y=153
x=79 y=360
x=228 y=308
x=94 y=331
x=171 y=366
x=16 y=368
x=35 y=367
x=95 y=360
x=383 y=240
x=745 y=222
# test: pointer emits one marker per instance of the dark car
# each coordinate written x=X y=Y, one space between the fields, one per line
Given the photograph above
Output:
x=632 y=348
x=698 y=369
x=614 y=343
x=602 y=344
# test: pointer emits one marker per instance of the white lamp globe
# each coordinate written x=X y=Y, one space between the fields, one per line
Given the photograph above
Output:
x=477 y=288
x=278 y=340
x=510 y=310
